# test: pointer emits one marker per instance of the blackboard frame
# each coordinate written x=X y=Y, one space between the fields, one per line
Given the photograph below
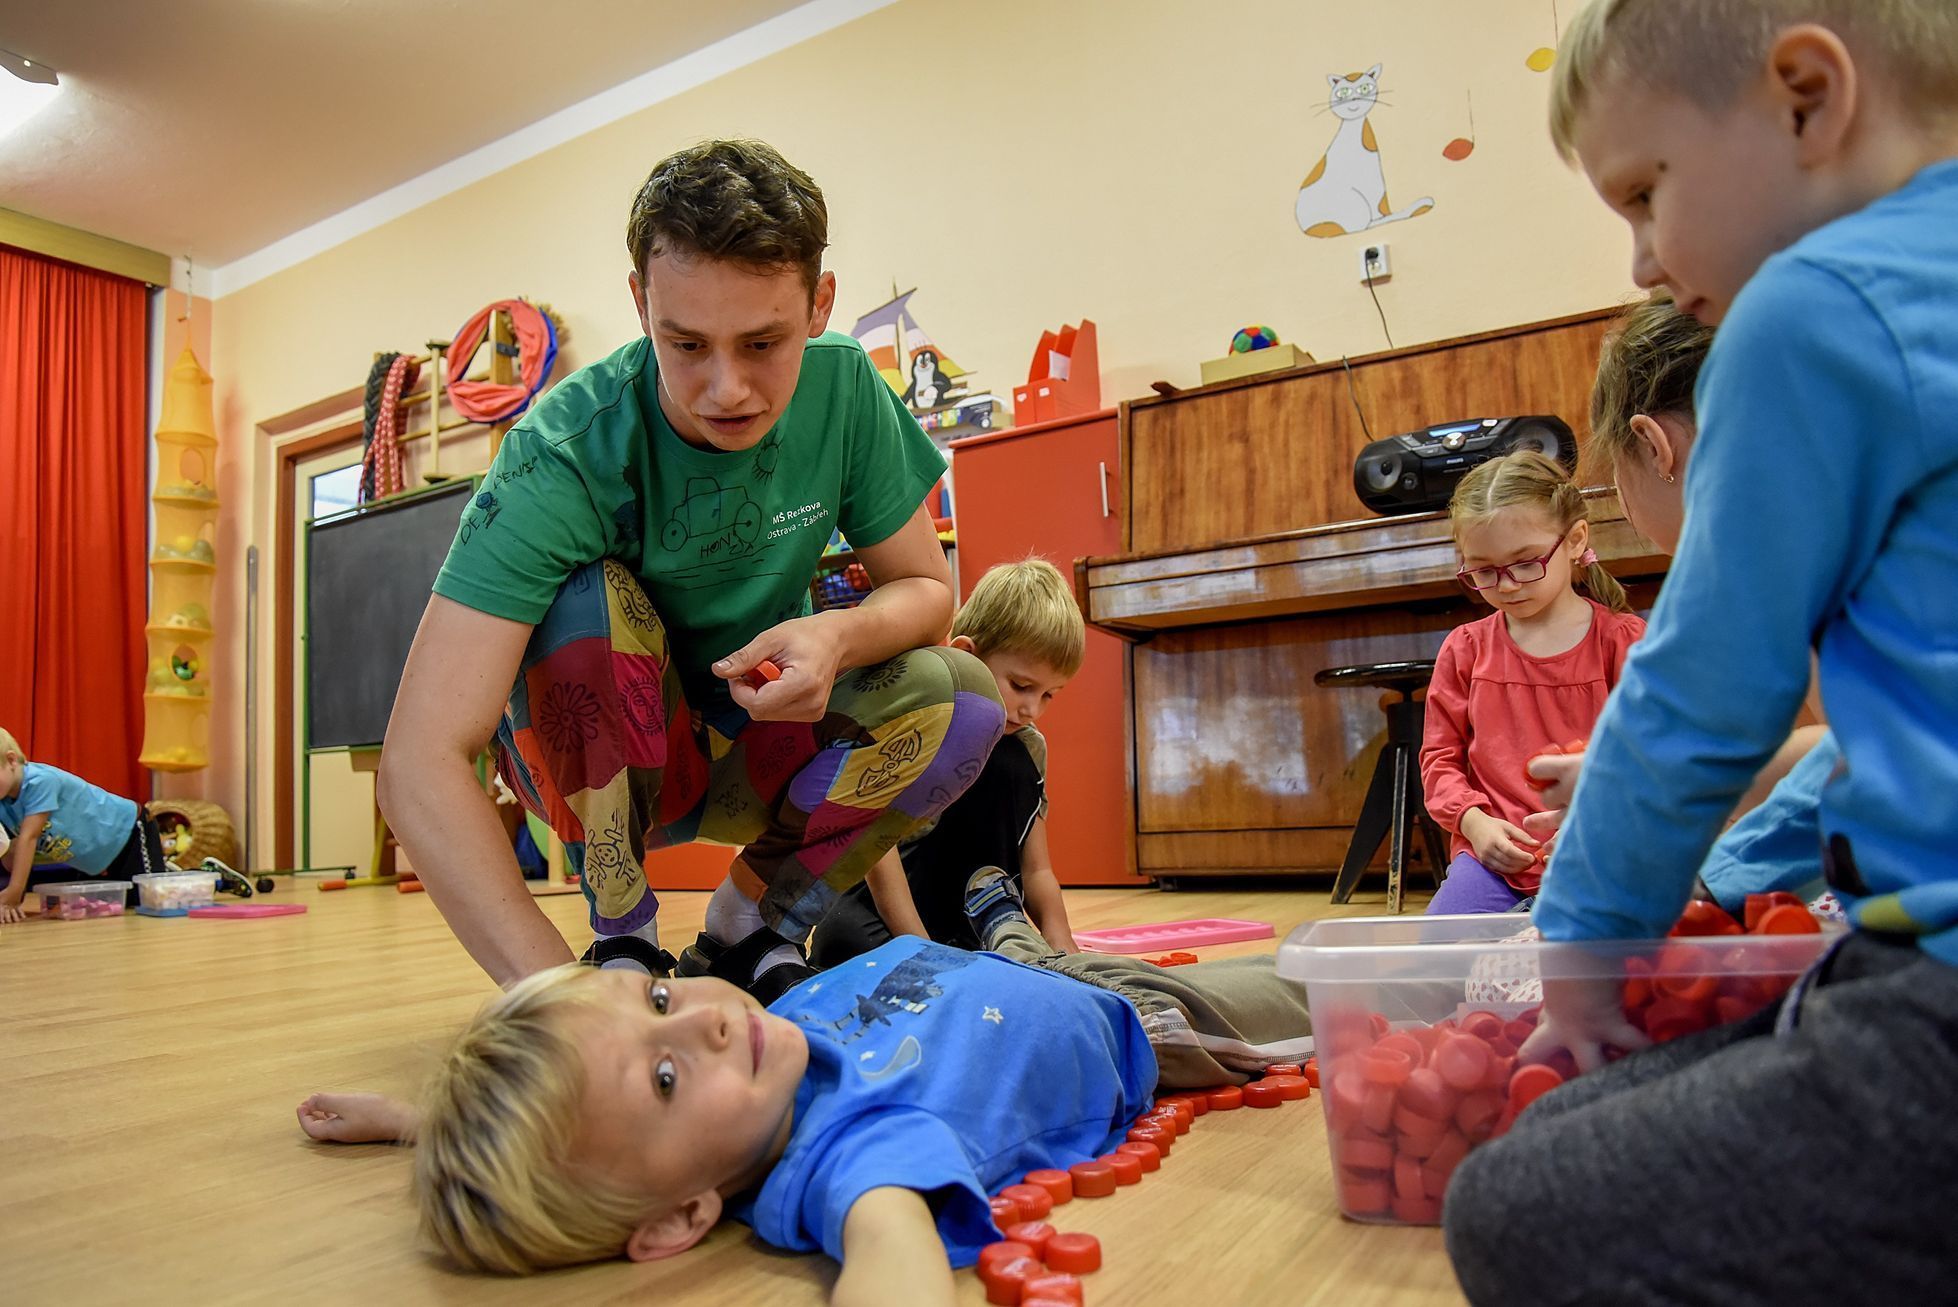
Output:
x=462 y=490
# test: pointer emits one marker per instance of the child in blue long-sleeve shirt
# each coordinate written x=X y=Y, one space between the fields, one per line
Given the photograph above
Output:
x=1789 y=169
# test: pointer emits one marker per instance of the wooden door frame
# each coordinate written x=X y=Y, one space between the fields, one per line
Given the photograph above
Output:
x=284 y=679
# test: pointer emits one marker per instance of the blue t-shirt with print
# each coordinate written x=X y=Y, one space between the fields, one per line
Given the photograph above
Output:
x=950 y=1073
x=87 y=825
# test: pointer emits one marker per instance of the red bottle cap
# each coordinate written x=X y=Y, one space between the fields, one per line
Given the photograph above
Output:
x=1531 y=1083
x=1462 y=1060
x=1363 y=1193
x=1227 y=1099
x=1127 y=1168
x=1363 y=1154
x=1059 y=1188
x=1312 y=1072
x=1092 y=1179
x=1075 y=1253
x=1034 y=1234
x=1005 y=1211
x=762 y=673
x=1199 y=1101
x=1262 y=1093
x=1006 y=1279
x=1290 y=1088
x=1787 y=920
x=1033 y=1201
x=1285 y=1069
x=1150 y=1132
x=1148 y=1156
x=1186 y=1116
x=1055 y=1286
x=1382 y=1065
x=1004 y=1250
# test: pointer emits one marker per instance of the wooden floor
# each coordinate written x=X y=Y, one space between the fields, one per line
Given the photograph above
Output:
x=148 y=1151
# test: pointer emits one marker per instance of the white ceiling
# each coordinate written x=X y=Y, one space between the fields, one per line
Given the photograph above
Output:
x=213 y=128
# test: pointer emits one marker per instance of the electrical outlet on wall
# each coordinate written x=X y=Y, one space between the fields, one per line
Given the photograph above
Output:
x=1373 y=263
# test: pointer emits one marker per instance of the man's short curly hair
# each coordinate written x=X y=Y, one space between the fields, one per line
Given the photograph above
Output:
x=740 y=201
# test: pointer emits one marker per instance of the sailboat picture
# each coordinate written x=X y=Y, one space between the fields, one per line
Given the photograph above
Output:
x=933 y=387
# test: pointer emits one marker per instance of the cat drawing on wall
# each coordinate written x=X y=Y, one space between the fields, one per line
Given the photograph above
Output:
x=1347 y=190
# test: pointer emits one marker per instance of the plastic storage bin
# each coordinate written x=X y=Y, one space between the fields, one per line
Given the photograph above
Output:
x=76 y=900
x=1416 y=1023
x=174 y=893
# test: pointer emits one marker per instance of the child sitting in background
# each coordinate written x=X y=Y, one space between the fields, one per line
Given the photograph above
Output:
x=54 y=817
x=1022 y=622
x=1789 y=171
x=1643 y=426
x=867 y=1112
x=1533 y=673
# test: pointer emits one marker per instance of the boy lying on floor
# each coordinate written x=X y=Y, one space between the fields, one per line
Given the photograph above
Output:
x=868 y=1112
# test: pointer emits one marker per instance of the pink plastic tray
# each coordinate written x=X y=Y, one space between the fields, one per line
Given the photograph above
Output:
x=1172 y=935
x=249 y=911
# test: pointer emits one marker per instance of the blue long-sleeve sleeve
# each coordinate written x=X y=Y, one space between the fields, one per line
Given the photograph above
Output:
x=1779 y=844
x=1821 y=510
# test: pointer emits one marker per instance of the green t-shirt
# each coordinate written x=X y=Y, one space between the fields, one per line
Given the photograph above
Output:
x=725 y=544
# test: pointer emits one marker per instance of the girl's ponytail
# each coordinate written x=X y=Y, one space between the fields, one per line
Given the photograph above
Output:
x=1605 y=589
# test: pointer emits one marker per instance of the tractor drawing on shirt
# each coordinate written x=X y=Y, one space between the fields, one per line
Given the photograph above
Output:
x=908 y=987
x=711 y=511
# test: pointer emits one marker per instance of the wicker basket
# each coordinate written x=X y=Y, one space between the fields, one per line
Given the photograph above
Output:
x=211 y=835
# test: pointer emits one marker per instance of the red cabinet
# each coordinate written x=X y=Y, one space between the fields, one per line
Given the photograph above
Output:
x=1050 y=489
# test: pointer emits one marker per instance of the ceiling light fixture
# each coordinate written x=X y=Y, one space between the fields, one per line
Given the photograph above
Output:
x=25 y=93
x=26 y=69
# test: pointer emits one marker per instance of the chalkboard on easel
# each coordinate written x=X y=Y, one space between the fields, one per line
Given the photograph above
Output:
x=368 y=577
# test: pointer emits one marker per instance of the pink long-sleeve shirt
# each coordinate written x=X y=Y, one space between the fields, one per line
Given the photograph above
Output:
x=1492 y=707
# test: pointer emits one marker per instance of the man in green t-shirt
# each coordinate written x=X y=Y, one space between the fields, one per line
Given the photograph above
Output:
x=639 y=557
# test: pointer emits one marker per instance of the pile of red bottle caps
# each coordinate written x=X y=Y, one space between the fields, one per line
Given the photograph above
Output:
x=1404 y=1107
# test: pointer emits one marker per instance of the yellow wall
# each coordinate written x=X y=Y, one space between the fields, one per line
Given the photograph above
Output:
x=1024 y=163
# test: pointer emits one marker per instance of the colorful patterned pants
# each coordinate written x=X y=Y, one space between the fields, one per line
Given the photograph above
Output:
x=599 y=741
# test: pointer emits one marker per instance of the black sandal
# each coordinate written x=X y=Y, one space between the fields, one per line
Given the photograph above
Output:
x=608 y=949
x=736 y=963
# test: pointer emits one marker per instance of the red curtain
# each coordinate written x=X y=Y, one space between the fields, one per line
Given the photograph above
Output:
x=74 y=517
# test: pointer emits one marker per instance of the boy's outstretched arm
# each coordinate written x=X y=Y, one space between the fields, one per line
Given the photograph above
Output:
x=358 y=1119
x=891 y=893
x=1045 y=903
x=20 y=862
x=892 y=1253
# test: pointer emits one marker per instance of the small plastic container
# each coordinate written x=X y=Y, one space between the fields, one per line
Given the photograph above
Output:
x=1416 y=1023
x=175 y=893
x=78 y=900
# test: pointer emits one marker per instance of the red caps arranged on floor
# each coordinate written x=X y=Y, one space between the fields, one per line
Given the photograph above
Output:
x=1033 y=1201
x=1227 y=1099
x=1149 y=1132
x=1005 y=1278
x=1285 y=1069
x=1005 y=1211
x=1055 y=1286
x=1058 y=1186
x=1034 y=1234
x=1127 y=1168
x=1148 y=1156
x=1092 y=1179
x=1262 y=1093
x=1074 y=1252
x=1291 y=1089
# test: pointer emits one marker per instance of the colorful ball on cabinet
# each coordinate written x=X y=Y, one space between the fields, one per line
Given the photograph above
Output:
x=1255 y=336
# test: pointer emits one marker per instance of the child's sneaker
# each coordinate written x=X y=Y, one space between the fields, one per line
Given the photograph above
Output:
x=991 y=900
